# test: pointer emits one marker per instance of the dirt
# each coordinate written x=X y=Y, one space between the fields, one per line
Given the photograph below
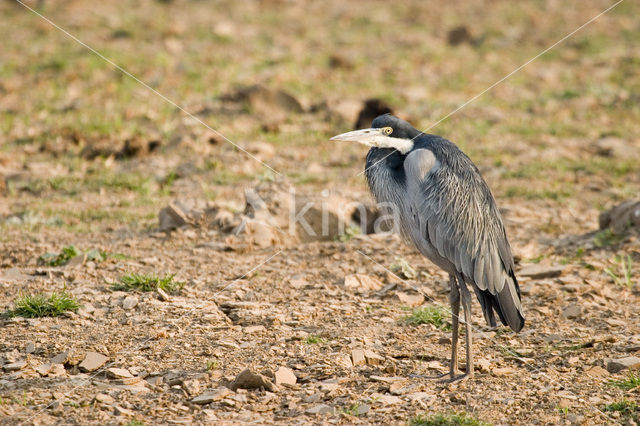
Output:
x=90 y=157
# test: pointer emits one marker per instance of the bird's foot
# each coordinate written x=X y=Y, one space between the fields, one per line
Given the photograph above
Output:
x=457 y=378
x=422 y=376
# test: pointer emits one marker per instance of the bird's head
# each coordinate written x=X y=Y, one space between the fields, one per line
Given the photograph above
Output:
x=386 y=131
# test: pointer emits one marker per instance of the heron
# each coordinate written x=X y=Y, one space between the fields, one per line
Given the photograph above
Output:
x=445 y=209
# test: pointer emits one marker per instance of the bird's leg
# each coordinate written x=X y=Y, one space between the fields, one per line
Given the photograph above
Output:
x=462 y=293
x=454 y=300
x=466 y=304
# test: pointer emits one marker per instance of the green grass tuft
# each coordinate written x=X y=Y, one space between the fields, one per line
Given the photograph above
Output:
x=314 y=340
x=58 y=259
x=458 y=419
x=631 y=382
x=147 y=282
x=630 y=410
x=428 y=315
x=44 y=305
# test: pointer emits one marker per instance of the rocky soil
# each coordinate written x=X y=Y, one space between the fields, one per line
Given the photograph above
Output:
x=275 y=324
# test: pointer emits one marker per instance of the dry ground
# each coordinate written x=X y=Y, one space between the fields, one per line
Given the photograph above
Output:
x=88 y=157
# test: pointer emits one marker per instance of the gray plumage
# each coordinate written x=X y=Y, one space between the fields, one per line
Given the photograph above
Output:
x=446 y=210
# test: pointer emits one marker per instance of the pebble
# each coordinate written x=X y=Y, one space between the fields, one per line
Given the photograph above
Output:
x=191 y=386
x=129 y=302
x=162 y=295
x=43 y=369
x=56 y=370
x=320 y=409
x=104 y=399
x=15 y=366
x=571 y=311
x=387 y=399
x=285 y=376
x=629 y=362
x=119 y=411
x=118 y=373
x=411 y=300
x=212 y=396
x=541 y=271
x=362 y=283
x=373 y=358
x=30 y=348
x=254 y=329
x=247 y=379
x=92 y=361
x=344 y=360
x=357 y=357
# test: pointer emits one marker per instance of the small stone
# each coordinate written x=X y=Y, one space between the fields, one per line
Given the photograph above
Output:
x=247 y=379
x=420 y=396
x=92 y=361
x=357 y=357
x=56 y=370
x=119 y=411
x=60 y=358
x=616 y=365
x=387 y=399
x=362 y=283
x=597 y=371
x=444 y=340
x=504 y=371
x=254 y=329
x=162 y=295
x=571 y=311
x=171 y=217
x=285 y=376
x=373 y=358
x=344 y=360
x=129 y=302
x=411 y=300
x=15 y=366
x=118 y=373
x=483 y=364
x=43 y=369
x=362 y=409
x=212 y=396
x=103 y=398
x=320 y=409
x=30 y=348
x=538 y=271
x=191 y=386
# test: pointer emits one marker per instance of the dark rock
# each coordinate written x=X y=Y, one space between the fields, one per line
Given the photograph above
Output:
x=370 y=110
x=459 y=35
x=247 y=379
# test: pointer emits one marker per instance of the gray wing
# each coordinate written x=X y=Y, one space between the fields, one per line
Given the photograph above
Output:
x=455 y=214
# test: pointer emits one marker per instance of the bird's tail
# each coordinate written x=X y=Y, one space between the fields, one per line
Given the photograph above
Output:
x=506 y=303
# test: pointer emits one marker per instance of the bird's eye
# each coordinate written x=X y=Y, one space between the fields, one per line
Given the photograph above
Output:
x=387 y=130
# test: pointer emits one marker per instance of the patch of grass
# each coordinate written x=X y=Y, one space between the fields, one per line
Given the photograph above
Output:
x=622 y=273
x=314 y=340
x=350 y=232
x=135 y=422
x=630 y=410
x=58 y=259
x=353 y=410
x=401 y=267
x=537 y=194
x=44 y=305
x=213 y=365
x=631 y=382
x=147 y=282
x=456 y=419
x=428 y=315
x=69 y=252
